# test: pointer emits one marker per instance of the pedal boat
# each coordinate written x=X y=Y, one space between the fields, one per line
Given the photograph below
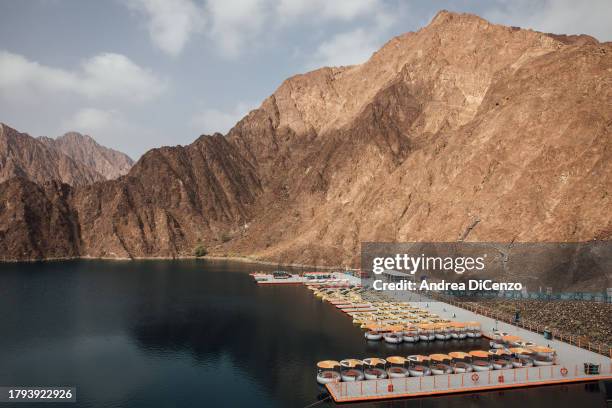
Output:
x=440 y=364
x=521 y=357
x=511 y=341
x=411 y=335
x=426 y=332
x=500 y=359
x=460 y=362
x=351 y=370
x=480 y=360
x=442 y=332
x=473 y=330
x=375 y=368
x=458 y=330
x=543 y=356
x=394 y=337
x=397 y=367
x=418 y=366
x=328 y=371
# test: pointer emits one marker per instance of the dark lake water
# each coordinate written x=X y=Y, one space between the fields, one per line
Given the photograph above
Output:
x=193 y=334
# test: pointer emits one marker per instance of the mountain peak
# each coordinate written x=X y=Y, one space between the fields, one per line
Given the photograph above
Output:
x=85 y=149
x=445 y=16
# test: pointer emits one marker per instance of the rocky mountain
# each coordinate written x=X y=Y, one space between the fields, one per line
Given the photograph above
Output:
x=463 y=130
x=73 y=158
x=85 y=150
x=24 y=156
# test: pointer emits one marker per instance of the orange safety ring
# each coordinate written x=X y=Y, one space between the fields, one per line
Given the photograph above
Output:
x=475 y=377
x=564 y=371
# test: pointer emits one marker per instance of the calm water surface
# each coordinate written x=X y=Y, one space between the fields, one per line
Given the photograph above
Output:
x=193 y=334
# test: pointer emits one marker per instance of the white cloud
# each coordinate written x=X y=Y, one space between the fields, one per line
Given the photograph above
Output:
x=235 y=22
x=102 y=76
x=355 y=46
x=325 y=9
x=111 y=128
x=352 y=47
x=209 y=121
x=92 y=121
x=234 y=26
x=171 y=22
x=557 y=16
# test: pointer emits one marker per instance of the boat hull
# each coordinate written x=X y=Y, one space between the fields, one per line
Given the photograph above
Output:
x=462 y=368
x=393 y=339
x=441 y=369
x=419 y=371
x=373 y=336
x=397 y=372
x=477 y=367
x=352 y=376
x=328 y=377
x=374 y=373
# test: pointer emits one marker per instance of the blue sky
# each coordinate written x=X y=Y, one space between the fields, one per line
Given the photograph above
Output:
x=137 y=74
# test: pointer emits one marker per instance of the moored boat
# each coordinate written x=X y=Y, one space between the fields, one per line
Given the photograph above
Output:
x=351 y=370
x=442 y=331
x=328 y=371
x=520 y=352
x=473 y=329
x=374 y=335
x=411 y=334
x=460 y=362
x=500 y=359
x=426 y=332
x=543 y=356
x=480 y=360
x=458 y=330
x=397 y=367
x=394 y=337
x=440 y=364
x=375 y=368
x=418 y=366
x=511 y=341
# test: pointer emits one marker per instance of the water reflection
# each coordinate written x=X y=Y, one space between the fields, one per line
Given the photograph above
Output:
x=187 y=333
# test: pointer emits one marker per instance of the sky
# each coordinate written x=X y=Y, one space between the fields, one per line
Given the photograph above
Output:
x=138 y=74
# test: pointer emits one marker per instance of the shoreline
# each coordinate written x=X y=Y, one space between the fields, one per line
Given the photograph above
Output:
x=242 y=259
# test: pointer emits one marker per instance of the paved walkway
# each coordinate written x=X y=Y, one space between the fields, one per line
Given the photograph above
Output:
x=568 y=354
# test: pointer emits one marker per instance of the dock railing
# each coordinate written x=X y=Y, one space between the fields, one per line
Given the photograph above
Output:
x=579 y=341
x=449 y=383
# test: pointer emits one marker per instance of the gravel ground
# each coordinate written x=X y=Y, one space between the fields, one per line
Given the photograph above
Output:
x=589 y=319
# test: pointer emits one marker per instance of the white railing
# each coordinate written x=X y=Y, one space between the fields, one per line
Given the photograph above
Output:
x=389 y=388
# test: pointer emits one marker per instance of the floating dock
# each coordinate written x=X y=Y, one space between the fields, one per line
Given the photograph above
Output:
x=326 y=279
x=569 y=368
x=392 y=388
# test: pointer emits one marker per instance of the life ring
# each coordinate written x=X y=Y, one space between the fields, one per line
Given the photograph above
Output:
x=475 y=377
x=564 y=371
x=390 y=388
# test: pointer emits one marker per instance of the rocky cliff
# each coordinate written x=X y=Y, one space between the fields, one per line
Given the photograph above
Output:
x=464 y=130
x=85 y=150
x=24 y=156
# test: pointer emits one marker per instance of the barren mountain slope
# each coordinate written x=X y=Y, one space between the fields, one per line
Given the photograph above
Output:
x=36 y=221
x=84 y=149
x=484 y=133
x=464 y=130
x=24 y=156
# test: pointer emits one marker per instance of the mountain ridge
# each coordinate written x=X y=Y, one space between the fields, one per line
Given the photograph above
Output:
x=462 y=130
x=84 y=149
